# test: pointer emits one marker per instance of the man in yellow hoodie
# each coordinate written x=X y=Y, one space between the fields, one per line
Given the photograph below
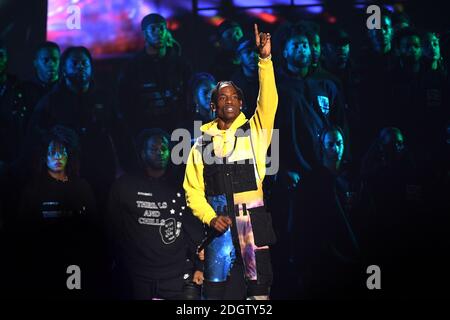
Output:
x=223 y=184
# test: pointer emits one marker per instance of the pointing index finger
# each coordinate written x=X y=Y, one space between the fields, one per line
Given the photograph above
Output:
x=257 y=35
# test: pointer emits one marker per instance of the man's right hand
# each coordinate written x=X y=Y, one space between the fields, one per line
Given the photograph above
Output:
x=220 y=223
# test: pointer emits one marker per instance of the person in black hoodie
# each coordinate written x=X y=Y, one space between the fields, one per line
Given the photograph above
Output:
x=153 y=85
x=13 y=113
x=53 y=227
x=376 y=60
x=154 y=235
x=400 y=231
x=226 y=62
x=325 y=250
x=246 y=77
x=46 y=76
x=338 y=60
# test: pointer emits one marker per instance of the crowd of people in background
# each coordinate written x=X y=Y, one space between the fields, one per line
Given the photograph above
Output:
x=86 y=175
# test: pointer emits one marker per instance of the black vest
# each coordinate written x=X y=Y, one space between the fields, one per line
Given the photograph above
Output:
x=223 y=177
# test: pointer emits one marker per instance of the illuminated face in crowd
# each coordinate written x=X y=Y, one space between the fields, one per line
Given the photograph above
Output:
x=411 y=48
x=333 y=145
x=393 y=142
x=78 y=68
x=47 y=65
x=249 y=60
x=3 y=60
x=297 y=51
x=231 y=37
x=432 y=49
x=229 y=103
x=339 y=54
x=56 y=157
x=202 y=94
x=156 y=153
x=156 y=34
x=382 y=38
x=315 y=50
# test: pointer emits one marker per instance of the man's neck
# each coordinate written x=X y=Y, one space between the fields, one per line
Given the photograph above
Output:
x=60 y=175
x=298 y=71
x=77 y=89
x=45 y=83
x=154 y=173
x=154 y=51
x=224 y=125
x=332 y=165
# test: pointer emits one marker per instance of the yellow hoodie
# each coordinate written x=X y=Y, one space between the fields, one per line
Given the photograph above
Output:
x=261 y=126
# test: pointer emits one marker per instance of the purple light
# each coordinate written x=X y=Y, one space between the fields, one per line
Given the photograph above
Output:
x=389 y=7
x=208 y=13
x=308 y=2
x=315 y=9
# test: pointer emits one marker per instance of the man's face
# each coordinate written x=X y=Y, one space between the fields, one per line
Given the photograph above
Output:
x=432 y=48
x=411 y=49
x=249 y=59
x=202 y=94
x=231 y=37
x=382 y=38
x=3 y=60
x=156 y=153
x=156 y=34
x=339 y=53
x=78 y=68
x=333 y=146
x=393 y=143
x=56 y=157
x=228 y=105
x=47 y=65
x=315 y=50
x=297 y=51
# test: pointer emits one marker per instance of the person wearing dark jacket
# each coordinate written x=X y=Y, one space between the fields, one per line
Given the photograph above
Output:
x=246 y=77
x=401 y=232
x=153 y=85
x=54 y=224
x=13 y=113
x=376 y=61
x=325 y=249
x=46 y=75
x=154 y=236
x=226 y=62
x=338 y=60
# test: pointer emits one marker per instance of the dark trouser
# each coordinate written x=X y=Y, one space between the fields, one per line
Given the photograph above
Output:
x=138 y=288
x=170 y=289
x=236 y=287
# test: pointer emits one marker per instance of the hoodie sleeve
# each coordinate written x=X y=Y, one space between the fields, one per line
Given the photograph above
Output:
x=194 y=187
x=262 y=122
